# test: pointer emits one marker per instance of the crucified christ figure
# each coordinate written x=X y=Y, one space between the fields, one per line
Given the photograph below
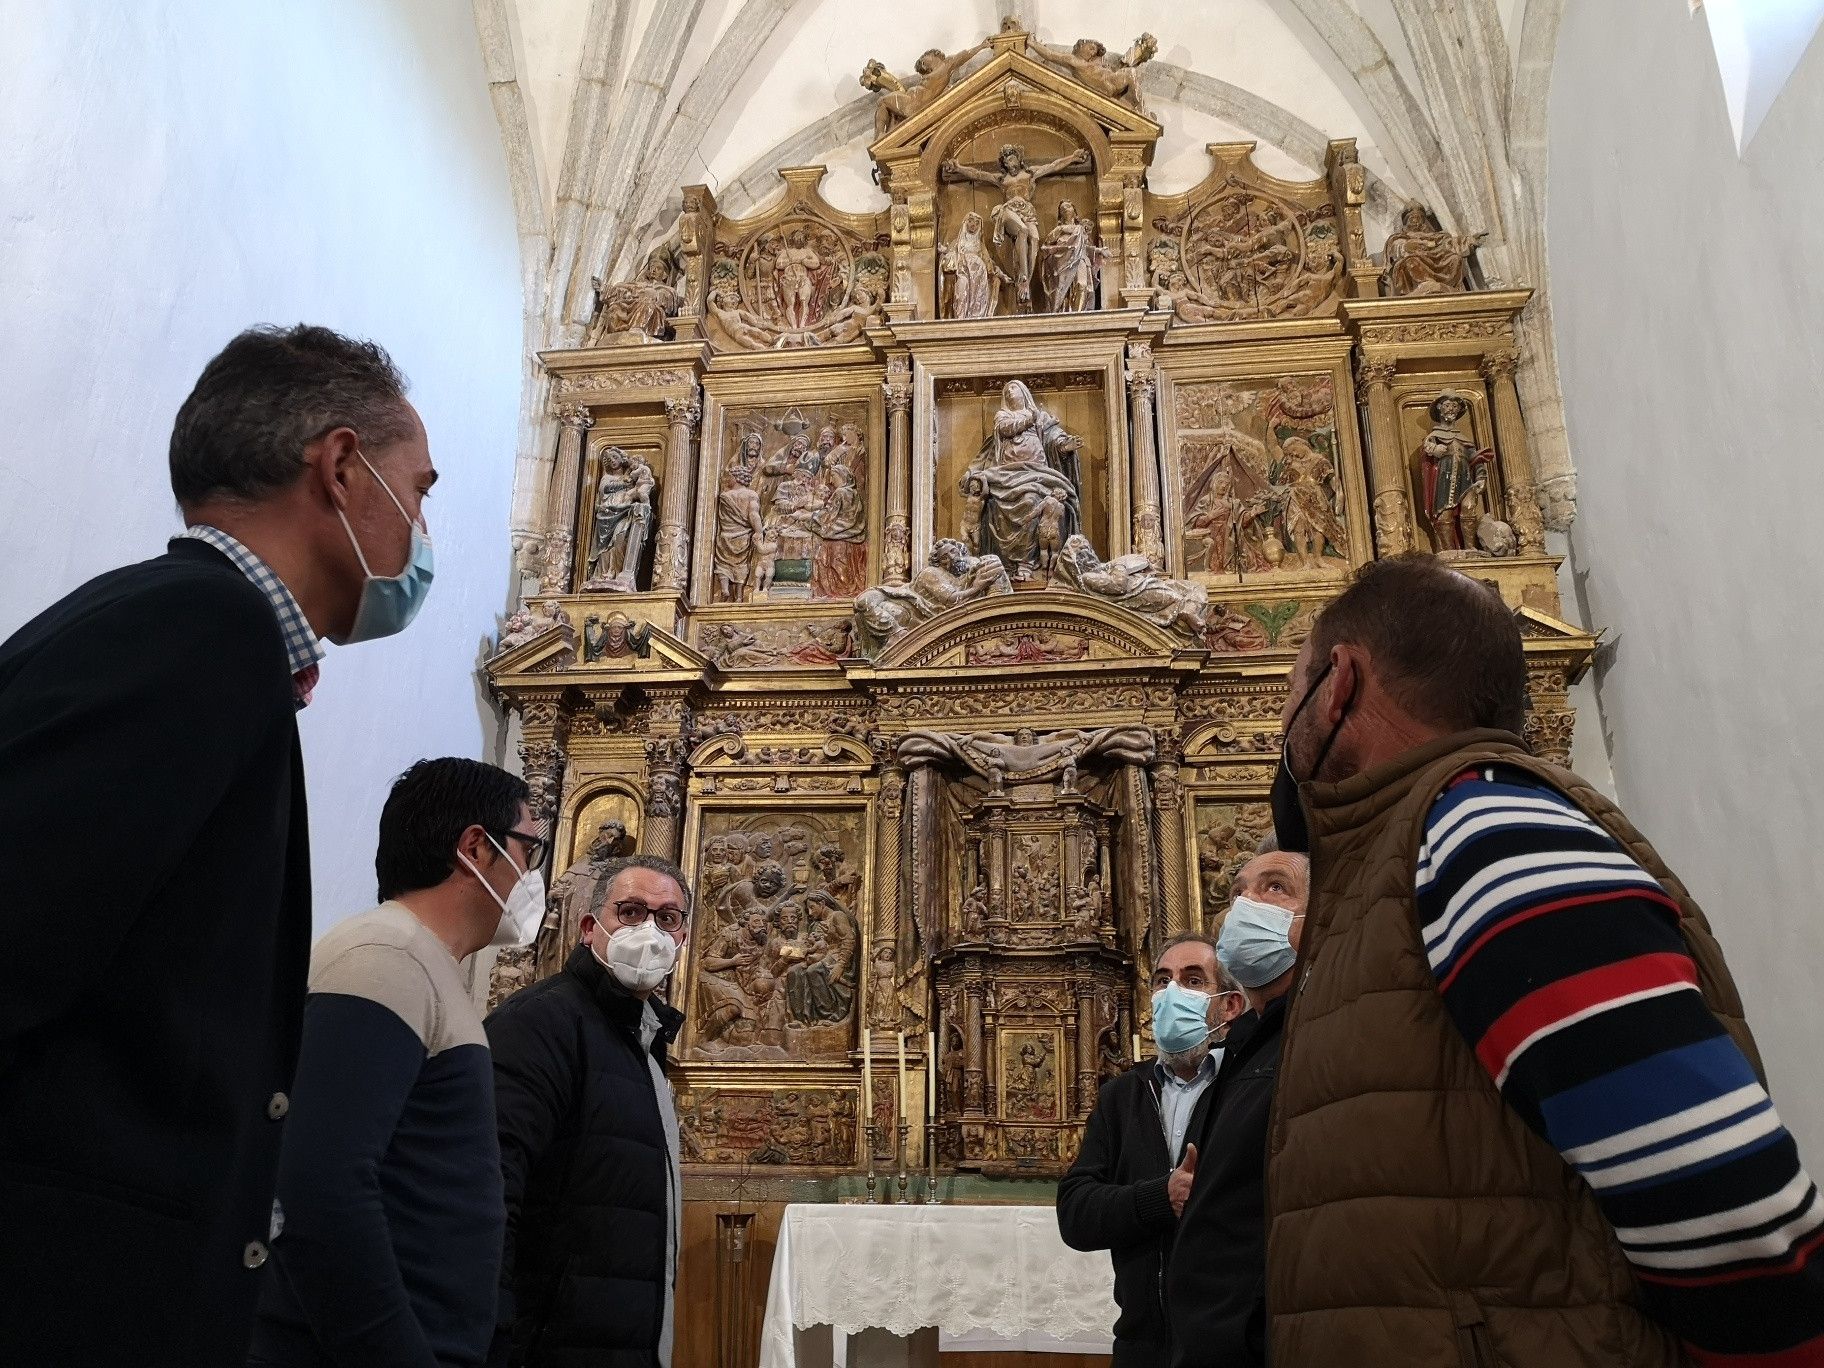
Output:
x=1016 y=217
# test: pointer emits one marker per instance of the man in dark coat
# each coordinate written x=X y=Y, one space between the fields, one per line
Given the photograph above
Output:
x=1132 y=1172
x=589 y=1137
x=1215 y=1282
x=149 y=719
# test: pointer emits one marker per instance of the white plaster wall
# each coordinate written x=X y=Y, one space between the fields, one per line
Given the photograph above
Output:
x=1689 y=304
x=171 y=173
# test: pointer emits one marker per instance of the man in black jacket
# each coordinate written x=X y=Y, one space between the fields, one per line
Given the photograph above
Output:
x=146 y=1043
x=589 y=1137
x=1215 y=1288
x=1132 y=1172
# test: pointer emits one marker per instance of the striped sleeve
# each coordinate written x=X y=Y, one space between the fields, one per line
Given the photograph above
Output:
x=1561 y=961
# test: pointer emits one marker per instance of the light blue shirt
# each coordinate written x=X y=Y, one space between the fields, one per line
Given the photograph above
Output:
x=1178 y=1099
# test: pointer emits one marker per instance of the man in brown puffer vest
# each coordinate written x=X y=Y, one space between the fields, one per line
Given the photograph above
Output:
x=1520 y=1119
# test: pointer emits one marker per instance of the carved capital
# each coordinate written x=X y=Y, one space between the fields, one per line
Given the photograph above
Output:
x=1371 y=375
x=684 y=413
x=557 y=564
x=575 y=416
x=1499 y=365
x=899 y=397
x=1141 y=385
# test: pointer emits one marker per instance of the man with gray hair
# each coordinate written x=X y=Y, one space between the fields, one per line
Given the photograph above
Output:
x=589 y=1136
x=1133 y=1172
x=145 y=1053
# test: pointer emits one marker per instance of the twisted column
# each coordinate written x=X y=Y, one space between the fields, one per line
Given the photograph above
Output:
x=671 y=553
x=1393 y=533
x=889 y=864
x=574 y=422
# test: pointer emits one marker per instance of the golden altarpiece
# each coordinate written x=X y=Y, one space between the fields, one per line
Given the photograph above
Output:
x=926 y=583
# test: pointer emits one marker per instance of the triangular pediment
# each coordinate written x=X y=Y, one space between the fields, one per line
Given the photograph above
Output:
x=1013 y=79
x=1034 y=629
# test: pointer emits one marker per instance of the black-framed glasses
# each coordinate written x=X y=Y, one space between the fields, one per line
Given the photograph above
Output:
x=668 y=918
x=536 y=846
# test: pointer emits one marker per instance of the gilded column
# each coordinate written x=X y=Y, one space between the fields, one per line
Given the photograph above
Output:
x=664 y=796
x=1510 y=448
x=1168 y=798
x=1141 y=386
x=896 y=551
x=890 y=864
x=921 y=901
x=1393 y=532
x=671 y=554
x=574 y=422
x=975 y=1052
x=1086 y=1046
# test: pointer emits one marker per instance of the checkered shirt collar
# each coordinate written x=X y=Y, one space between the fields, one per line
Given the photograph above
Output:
x=301 y=644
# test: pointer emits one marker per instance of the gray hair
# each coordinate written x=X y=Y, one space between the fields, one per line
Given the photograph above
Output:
x=613 y=869
x=1225 y=982
x=266 y=396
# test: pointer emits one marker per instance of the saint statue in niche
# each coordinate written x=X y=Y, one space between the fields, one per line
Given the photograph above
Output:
x=1016 y=217
x=623 y=512
x=1422 y=259
x=1023 y=487
x=1455 y=474
x=1070 y=264
x=973 y=274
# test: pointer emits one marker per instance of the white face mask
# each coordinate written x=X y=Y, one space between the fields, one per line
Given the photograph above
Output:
x=522 y=911
x=639 y=957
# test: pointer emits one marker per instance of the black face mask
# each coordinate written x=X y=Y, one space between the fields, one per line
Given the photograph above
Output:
x=1289 y=827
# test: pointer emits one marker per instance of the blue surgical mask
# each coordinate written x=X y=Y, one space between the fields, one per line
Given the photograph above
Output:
x=1255 y=945
x=389 y=603
x=1181 y=1018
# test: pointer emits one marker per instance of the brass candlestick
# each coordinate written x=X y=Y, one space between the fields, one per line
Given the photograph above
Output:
x=931 y=1197
x=904 y=1178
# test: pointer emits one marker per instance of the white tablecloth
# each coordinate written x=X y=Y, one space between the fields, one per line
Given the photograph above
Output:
x=972 y=1271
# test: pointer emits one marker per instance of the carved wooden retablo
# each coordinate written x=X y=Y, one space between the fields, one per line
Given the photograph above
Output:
x=926 y=580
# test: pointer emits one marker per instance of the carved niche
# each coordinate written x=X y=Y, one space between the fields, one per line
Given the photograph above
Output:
x=801 y=274
x=775 y=962
x=1261 y=477
x=793 y=505
x=1246 y=245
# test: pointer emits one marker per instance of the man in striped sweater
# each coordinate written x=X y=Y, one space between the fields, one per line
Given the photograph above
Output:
x=1528 y=971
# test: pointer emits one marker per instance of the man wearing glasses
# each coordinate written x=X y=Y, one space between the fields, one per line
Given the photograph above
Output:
x=389 y=1221
x=589 y=1136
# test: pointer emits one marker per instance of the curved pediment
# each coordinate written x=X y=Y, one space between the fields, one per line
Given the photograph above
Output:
x=1033 y=628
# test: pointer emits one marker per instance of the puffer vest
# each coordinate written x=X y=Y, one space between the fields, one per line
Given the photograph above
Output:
x=1412 y=1217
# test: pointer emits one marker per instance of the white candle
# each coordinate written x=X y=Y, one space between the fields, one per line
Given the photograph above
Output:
x=1136 y=1047
x=867 y=1078
x=903 y=1114
x=931 y=1077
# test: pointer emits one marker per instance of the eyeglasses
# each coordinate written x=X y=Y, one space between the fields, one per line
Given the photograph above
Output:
x=536 y=846
x=668 y=919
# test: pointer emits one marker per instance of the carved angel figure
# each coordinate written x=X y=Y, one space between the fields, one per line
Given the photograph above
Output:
x=646 y=306
x=953 y=576
x=1422 y=259
x=1016 y=218
x=901 y=100
x=1114 y=74
x=972 y=272
x=1131 y=581
x=1070 y=264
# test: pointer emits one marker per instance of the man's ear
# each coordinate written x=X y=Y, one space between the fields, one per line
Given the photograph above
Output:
x=1344 y=684
x=331 y=462
x=475 y=846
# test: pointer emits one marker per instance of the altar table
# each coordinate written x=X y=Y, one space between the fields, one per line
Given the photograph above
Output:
x=898 y=1278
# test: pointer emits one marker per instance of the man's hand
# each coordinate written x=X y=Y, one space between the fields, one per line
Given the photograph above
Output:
x=1178 y=1187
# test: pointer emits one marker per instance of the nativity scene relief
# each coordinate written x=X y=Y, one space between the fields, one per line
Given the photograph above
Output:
x=924 y=573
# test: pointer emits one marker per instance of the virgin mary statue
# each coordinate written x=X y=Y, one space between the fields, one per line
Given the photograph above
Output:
x=1021 y=493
